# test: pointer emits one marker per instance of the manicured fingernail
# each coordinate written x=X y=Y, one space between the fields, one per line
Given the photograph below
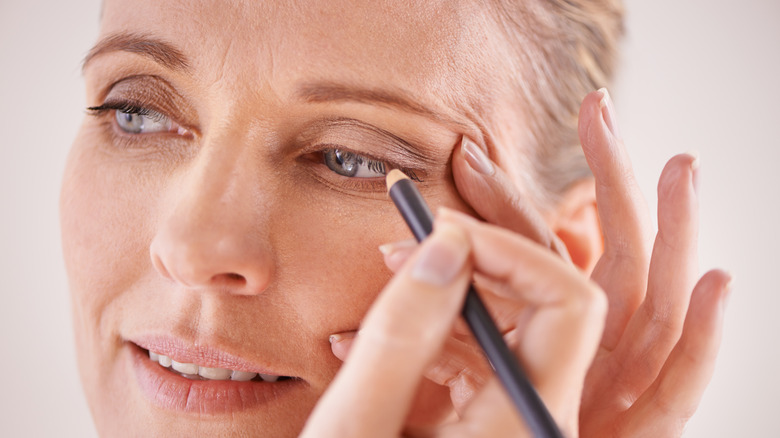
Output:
x=341 y=343
x=476 y=157
x=695 y=163
x=608 y=112
x=728 y=288
x=442 y=256
x=388 y=249
x=339 y=337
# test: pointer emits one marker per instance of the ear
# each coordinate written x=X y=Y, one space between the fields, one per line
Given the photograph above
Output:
x=576 y=222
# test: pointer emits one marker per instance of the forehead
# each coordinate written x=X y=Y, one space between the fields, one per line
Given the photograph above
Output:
x=436 y=51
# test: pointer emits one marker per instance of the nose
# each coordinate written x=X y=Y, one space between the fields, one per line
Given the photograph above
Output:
x=215 y=236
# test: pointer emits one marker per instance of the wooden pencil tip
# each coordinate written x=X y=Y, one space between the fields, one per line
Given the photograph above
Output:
x=393 y=177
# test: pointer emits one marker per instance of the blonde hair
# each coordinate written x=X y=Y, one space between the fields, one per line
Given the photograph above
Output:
x=563 y=49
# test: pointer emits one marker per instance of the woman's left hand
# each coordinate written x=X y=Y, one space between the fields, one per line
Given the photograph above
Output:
x=662 y=333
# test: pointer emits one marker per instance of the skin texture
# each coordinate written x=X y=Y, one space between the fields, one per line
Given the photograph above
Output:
x=231 y=234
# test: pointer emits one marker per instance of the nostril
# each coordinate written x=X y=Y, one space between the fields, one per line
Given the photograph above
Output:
x=230 y=279
x=234 y=276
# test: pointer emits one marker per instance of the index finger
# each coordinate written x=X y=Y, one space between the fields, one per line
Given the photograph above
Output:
x=623 y=269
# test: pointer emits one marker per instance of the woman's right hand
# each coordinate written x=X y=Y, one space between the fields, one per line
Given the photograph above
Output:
x=412 y=319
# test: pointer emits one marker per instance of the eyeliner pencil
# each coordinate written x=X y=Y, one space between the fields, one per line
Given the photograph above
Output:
x=418 y=217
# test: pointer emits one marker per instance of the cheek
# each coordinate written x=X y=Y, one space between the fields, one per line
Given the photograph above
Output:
x=102 y=207
x=330 y=258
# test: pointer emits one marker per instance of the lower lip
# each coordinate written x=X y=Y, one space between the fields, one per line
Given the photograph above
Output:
x=171 y=391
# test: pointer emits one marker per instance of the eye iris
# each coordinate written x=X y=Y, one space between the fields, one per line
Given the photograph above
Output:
x=343 y=163
x=130 y=122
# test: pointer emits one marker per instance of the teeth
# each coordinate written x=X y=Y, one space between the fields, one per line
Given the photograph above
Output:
x=214 y=373
x=192 y=371
x=184 y=368
x=242 y=376
x=165 y=361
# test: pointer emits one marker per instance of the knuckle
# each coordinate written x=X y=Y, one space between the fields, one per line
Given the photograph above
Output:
x=663 y=321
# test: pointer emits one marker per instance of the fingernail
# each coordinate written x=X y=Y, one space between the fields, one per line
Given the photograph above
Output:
x=608 y=112
x=728 y=288
x=338 y=337
x=695 y=163
x=442 y=256
x=476 y=157
x=341 y=343
x=389 y=249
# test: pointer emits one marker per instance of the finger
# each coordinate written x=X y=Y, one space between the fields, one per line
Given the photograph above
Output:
x=622 y=270
x=507 y=310
x=497 y=199
x=461 y=367
x=491 y=414
x=656 y=327
x=341 y=343
x=559 y=339
x=396 y=253
x=401 y=334
x=666 y=406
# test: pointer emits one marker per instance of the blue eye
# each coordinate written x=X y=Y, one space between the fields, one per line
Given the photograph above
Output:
x=353 y=165
x=143 y=121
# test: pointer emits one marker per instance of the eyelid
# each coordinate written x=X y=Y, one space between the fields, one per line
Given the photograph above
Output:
x=366 y=140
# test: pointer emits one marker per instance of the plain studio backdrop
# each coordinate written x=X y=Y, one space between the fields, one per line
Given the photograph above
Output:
x=696 y=75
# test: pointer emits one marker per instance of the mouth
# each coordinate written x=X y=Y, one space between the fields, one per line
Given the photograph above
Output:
x=182 y=376
x=195 y=371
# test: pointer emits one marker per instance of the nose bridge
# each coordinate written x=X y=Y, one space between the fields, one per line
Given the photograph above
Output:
x=214 y=235
x=224 y=174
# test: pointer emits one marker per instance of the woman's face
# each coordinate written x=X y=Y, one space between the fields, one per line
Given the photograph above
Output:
x=214 y=210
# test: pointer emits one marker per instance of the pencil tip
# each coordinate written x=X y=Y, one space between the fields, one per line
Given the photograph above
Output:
x=393 y=177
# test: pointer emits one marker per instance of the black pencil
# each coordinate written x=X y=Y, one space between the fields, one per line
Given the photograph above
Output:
x=418 y=216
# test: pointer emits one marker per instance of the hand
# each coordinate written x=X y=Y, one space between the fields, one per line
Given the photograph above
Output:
x=662 y=332
x=411 y=320
x=662 y=335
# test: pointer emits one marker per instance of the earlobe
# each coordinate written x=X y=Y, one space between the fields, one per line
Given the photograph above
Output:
x=576 y=222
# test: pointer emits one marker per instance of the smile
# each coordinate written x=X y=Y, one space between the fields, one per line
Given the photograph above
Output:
x=198 y=372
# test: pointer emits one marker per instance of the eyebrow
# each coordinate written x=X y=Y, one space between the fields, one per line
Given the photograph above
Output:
x=327 y=92
x=159 y=51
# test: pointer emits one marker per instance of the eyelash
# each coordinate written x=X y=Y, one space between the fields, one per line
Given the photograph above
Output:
x=125 y=107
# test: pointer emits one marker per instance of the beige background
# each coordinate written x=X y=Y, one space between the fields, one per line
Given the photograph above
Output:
x=697 y=74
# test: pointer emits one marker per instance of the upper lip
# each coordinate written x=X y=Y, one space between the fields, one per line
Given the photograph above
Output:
x=203 y=355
